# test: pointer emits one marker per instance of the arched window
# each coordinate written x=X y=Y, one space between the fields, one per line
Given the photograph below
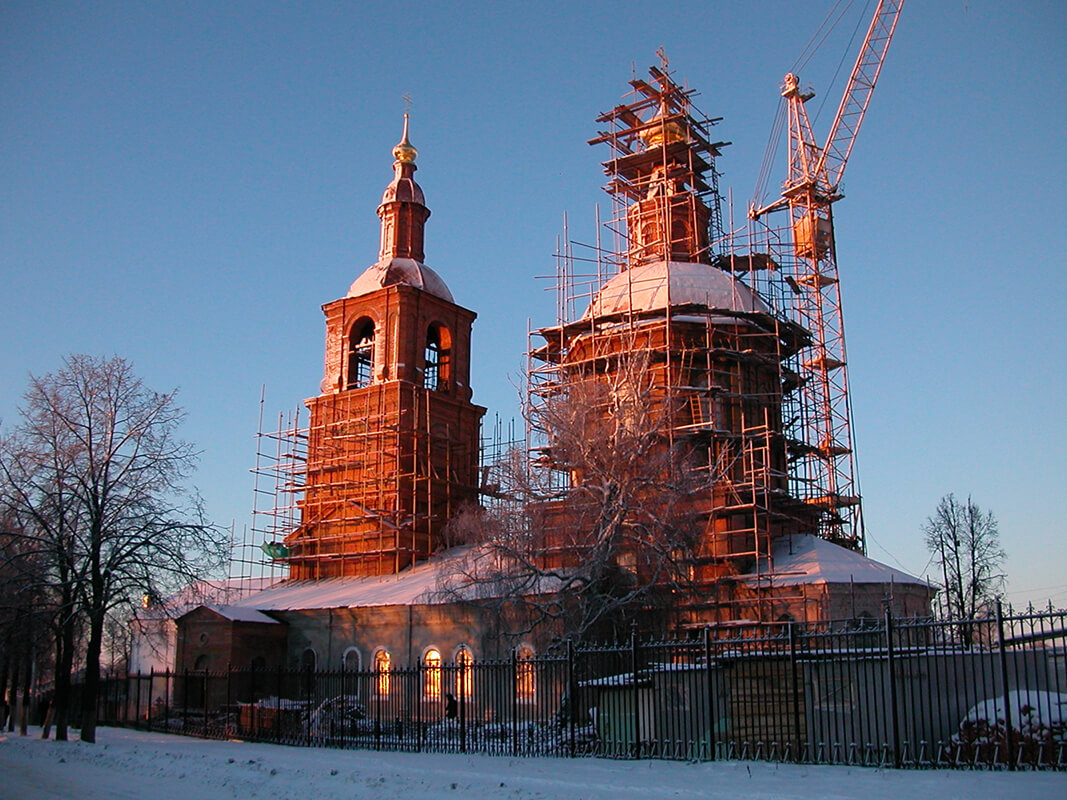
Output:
x=307 y=660
x=525 y=676
x=464 y=672
x=437 y=357
x=361 y=354
x=383 y=663
x=351 y=661
x=201 y=663
x=259 y=662
x=431 y=680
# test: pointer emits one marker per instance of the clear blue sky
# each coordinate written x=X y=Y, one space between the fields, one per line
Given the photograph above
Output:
x=185 y=183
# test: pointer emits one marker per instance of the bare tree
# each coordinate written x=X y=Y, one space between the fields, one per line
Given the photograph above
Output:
x=38 y=552
x=98 y=467
x=598 y=528
x=21 y=623
x=965 y=543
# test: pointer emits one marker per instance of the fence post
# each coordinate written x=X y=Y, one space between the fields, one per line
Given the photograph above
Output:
x=137 y=700
x=207 y=686
x=572 y=695
x=307 y=705
x=514 y=703
x=636 y=746
x=151 y=705
x=891 y=664
x=712 y=721
x=462 y=711
x=1002 y=657
x=344 y=703
x=418 y=707
x=377 y=705
x=185 y=702
x=230 y=704
x=796 y=689
x=278 y=707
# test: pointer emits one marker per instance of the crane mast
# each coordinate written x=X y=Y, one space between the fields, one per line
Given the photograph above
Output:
x=821 y=443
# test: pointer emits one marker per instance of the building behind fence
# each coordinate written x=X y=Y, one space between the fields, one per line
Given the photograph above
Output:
x=884 y=692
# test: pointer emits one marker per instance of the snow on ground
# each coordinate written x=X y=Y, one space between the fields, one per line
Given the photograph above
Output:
x=136 y=765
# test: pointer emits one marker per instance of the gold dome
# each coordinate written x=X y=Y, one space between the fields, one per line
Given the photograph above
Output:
x=663 y=130
x=404 y=152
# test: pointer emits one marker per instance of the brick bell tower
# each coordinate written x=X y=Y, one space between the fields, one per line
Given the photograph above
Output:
x=392 y=449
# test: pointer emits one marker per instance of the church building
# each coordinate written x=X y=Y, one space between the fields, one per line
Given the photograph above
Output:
x=392 y=444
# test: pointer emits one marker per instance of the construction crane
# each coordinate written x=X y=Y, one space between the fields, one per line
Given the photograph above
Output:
x=821 y=450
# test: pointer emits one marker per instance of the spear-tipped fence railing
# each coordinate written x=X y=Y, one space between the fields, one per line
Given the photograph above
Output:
x=988 y=692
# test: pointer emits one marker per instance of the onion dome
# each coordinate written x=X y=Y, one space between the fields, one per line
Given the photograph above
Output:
x=403 y=213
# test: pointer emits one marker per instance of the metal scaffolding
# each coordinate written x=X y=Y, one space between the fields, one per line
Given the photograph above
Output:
x=356 y=488
x=725 y=366
x=357 y=516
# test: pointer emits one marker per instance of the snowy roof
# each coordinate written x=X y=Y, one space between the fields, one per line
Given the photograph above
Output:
x=403 y=272
x=806 y=559
x=661 y=284
x=203 y=592
x=416 y=584
x=241 y=614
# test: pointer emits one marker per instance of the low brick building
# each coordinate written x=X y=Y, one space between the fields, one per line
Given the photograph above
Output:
x=350 y=622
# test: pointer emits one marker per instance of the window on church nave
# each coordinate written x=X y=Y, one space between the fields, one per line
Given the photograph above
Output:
x=464 y=672
x=350 y=661
x=525 y=675
x=361 y=354
x=383 y=663
x=431 y=681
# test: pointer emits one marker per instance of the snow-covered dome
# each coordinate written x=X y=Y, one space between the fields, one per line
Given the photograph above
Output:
x=400 y=271
x=654 y=286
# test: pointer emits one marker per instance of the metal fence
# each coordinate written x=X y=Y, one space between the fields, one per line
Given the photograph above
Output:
x=907 y=693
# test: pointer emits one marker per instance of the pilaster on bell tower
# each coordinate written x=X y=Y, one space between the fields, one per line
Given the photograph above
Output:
x=392 y=449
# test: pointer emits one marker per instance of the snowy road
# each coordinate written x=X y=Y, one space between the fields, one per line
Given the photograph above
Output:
x=129 y=764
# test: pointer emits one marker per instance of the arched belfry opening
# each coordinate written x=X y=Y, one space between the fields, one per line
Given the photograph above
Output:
x=437 y=358
x=361 y=354
x=392 y=440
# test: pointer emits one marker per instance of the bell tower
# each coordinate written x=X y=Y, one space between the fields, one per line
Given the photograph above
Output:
x=667 y=220
x=392 y=449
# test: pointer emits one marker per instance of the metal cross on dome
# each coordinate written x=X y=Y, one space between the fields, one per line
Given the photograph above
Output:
x=663 y=60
